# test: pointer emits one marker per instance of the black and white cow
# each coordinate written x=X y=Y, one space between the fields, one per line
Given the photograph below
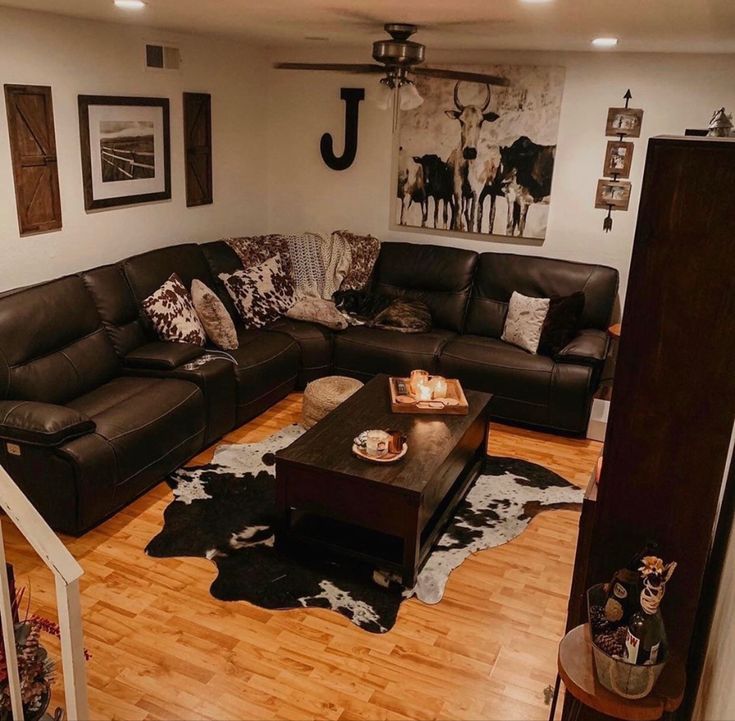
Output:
x=525 y=178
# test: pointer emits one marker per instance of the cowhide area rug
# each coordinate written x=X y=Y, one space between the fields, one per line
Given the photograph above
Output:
x=224 y=511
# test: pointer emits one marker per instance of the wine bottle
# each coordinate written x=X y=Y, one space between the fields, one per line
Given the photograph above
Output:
x=645 y=640
x=624 y=588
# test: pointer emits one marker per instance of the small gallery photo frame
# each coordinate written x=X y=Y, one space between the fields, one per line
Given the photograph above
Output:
x=613 y=194
x=618 y=159
x=624 y=121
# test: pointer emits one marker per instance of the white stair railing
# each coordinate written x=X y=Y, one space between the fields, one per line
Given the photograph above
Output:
x=67 y=573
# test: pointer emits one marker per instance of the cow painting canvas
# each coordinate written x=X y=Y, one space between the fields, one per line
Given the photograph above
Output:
x=479 y=159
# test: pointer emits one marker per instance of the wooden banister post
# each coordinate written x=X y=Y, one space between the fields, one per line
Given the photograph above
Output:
x=11 y=657
x=68 y=603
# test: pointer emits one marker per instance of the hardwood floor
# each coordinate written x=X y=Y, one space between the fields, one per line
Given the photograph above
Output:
x=163 y=648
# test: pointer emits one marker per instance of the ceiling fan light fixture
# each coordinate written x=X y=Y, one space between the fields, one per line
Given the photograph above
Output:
x=409 y=97
x=384 y=97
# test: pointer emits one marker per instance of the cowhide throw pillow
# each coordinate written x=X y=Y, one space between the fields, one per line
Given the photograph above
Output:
x=214 y=316
x=524 y=321
x=172 y=314
x=319 y=311
x=261 y=294
x=364 y=251
x=562 y=323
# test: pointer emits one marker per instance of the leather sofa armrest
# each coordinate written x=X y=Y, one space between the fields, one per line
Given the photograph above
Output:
x=589 y=347
x=161 y=355
x=41 y=424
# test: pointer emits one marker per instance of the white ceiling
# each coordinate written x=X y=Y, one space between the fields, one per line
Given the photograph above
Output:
x=641 y=25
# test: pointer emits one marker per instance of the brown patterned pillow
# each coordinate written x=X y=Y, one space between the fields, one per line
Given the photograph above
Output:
x=214 y=316
x=172 y=314
x=263 y=293
x=364 y=251
x=259 y=248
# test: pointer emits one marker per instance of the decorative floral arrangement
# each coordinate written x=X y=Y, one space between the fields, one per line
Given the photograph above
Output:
x=35 y=668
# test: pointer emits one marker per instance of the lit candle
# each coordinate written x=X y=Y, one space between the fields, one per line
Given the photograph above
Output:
x=417 y=378
x=439 y=387
x=425 y=393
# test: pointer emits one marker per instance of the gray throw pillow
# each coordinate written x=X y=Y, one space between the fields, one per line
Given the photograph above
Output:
x=524 y=321
x=214 y=316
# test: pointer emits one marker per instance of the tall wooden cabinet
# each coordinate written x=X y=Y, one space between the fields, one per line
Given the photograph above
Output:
x=673 y=406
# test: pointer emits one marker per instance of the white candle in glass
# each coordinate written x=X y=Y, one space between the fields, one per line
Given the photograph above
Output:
x=439 y=387
x=425 y=392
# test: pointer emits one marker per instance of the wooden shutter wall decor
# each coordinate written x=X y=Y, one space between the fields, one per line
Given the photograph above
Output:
x=33 y=153
x=198 y=148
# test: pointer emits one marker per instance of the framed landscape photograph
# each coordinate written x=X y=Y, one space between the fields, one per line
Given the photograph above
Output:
x=126 y=150
x=624 y=121
x=618 y=158
x=613 y=194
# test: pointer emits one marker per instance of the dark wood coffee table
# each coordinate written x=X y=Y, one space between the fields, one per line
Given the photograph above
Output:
x=386 y=514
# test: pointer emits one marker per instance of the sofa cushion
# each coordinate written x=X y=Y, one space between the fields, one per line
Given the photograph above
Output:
x=146 y=272
x=117 y=307
x=441 y=277
x=267 y=366
x=171 y=312
x=142 y=420
x=53 y=346
x=316 y=344
x=364 y=352
x=493 y=366
x=500 y=274
x=221 y=258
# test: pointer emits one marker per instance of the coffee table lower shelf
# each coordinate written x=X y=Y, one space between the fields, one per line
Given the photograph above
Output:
x=399 y=554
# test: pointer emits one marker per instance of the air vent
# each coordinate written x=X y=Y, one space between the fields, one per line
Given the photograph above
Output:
x=162 y=57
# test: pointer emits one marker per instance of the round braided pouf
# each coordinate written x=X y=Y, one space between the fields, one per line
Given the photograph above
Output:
x=323 y=395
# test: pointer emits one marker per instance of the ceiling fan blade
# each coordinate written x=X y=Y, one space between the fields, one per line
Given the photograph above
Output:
x=334 y=67
x=461 y=75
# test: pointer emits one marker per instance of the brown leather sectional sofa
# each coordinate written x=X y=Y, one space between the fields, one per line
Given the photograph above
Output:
x=94 y=410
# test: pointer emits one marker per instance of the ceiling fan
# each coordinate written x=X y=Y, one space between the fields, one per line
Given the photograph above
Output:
x=400 y=60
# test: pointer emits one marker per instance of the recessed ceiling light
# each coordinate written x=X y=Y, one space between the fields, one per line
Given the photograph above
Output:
x=605 y=42
x=536 y=2
x=130 y=4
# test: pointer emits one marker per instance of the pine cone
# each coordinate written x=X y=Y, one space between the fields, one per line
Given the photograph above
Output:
x=598 y=621
x=610 y=642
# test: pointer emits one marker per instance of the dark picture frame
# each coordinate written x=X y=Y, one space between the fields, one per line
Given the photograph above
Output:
x=624 y=121
x=613 y=194
x=618 y=159
x=133 y=159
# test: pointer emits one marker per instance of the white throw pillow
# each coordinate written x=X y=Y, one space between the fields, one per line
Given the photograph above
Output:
x=524 y=321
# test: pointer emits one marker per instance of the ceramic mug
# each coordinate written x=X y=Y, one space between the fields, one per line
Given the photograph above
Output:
x=377 y=443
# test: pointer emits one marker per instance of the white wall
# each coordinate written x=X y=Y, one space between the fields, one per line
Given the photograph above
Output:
x=78 y=57
x=676 y=92
x=716 y=692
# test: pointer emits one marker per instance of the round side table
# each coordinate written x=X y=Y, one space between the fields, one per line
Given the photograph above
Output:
x=577 y=671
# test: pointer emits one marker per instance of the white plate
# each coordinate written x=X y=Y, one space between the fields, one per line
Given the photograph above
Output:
x=387 y=458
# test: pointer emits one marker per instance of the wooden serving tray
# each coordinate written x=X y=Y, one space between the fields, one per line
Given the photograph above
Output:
x=402 y=402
